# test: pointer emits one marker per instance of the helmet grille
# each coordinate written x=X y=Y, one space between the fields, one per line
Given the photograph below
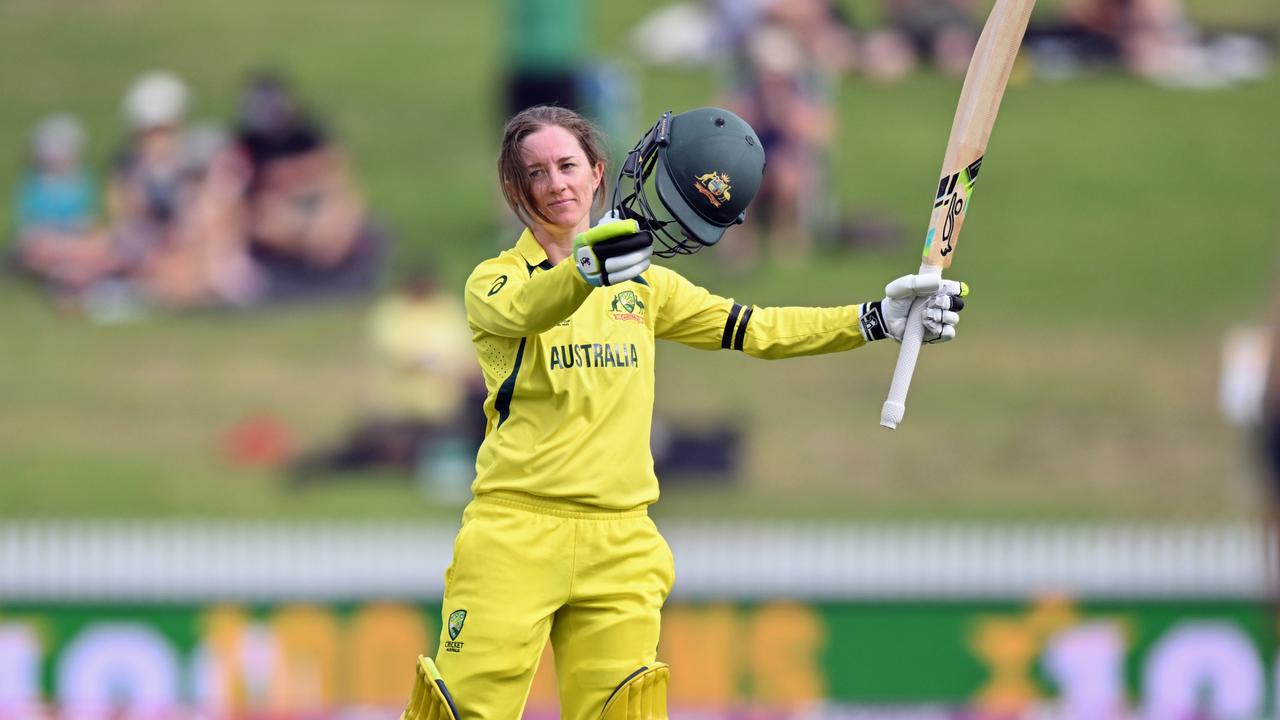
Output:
x=670 y=236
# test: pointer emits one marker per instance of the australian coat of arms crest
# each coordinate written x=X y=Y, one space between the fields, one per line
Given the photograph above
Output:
x=714 y=186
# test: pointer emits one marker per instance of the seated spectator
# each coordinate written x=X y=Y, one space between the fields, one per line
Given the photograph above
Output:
x=1094 y=34
x=426 y=391
x=213 y=226
x=942 y=32
x=150 y=185
x=153 y=191
x=307 y=228
x=425 y=356
x=1152 y=39
x=58 y=240
x=1146 y=36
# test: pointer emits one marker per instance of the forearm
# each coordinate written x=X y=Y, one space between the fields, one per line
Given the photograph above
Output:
x=781 y=332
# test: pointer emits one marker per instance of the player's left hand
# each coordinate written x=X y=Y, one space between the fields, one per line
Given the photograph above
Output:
x=888 y=317
x=613 y=251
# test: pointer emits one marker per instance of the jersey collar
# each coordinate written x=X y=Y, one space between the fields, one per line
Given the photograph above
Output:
x=529 y=249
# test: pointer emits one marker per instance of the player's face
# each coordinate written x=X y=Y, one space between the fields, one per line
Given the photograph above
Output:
x=561 y=180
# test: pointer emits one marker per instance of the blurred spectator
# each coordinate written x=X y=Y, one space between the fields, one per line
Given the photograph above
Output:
x=1249 y=397
x=148 y=183
x=426 y=390
x=1256 y=366
x=214 y=224
x=1149 y=38
x=423 y=352
x=1265 y=367
x=943 y=32
x=1248 y=392
x=152 y=184
x=308 y=232
x=58 y=240
x=788 y=80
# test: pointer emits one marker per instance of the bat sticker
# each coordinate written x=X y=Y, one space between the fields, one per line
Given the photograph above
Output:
x=946 y=186
x=949 y=224
x=953 y=193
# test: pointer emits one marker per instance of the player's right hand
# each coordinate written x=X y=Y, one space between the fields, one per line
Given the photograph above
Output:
x=888 y=318
x=612 y=252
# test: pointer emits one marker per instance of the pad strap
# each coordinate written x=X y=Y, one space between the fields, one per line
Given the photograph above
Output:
x=430 y=699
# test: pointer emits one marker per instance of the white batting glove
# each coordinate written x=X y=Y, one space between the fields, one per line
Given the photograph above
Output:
x=888 y=317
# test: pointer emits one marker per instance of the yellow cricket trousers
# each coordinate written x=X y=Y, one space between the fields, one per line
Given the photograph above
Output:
x=527 y=568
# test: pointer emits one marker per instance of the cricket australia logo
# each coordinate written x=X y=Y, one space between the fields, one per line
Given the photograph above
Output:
x=456 y=619
x=714 y=186
x=626 y=306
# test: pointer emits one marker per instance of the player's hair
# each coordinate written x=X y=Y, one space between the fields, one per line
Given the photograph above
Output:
x=511 y=172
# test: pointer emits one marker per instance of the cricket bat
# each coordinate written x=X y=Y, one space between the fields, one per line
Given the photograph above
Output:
x=984 y=85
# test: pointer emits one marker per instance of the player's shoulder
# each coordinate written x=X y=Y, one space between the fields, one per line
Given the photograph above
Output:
x=659 y=275
x=664 y=279
x=507 y=264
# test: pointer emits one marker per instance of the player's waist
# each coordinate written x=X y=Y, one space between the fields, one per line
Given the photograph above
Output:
x=558 y=507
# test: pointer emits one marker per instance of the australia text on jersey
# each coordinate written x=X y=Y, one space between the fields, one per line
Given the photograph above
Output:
x=594 y=355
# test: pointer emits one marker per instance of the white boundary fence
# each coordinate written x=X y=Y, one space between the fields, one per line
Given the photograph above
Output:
x=202 y=561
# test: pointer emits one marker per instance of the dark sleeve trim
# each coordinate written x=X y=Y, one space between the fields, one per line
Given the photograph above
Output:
x=742 y=330
x=727 y=337
x=503 y=402
x=871 y=321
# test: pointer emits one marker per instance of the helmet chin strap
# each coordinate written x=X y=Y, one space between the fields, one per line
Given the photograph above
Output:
x=638 y=166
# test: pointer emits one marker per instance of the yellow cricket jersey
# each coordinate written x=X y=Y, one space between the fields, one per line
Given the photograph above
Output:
x=569 y=368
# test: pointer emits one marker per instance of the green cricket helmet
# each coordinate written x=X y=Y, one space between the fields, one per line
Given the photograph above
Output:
x=704 y=165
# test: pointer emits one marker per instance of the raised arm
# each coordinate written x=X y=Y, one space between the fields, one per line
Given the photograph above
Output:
x=509 y=299
x=692 y=316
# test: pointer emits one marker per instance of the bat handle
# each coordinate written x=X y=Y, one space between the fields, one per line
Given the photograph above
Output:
x=895 y=406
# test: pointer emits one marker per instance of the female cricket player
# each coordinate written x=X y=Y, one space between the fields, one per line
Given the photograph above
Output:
x=557 y=543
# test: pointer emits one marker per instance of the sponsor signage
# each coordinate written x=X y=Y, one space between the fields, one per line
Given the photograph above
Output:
x=1162 y=659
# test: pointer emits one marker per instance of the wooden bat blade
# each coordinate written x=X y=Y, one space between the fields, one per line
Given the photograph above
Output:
x=984 y=86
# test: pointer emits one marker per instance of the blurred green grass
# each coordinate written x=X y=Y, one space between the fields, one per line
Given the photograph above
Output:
x=1120 y=229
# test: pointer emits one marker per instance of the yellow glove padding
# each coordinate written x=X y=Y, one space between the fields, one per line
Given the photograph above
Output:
x=430 y=699
x=642 y=696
